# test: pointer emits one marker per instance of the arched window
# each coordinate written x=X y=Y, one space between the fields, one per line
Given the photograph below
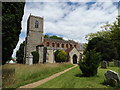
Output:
x=62 y=45
x=75 y=46
x=58 y=45
x=66 y=45
x=36 y=24
x=70 y=45
x=47 y=43
x=53 y=45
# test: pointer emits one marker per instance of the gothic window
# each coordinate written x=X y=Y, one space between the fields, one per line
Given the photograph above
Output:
x=47 y=43
x=53 y=45
x=75 y=46
x=70 y=45
x=36 y=24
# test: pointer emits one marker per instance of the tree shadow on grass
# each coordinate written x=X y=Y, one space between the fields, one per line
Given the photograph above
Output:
x=79 y=75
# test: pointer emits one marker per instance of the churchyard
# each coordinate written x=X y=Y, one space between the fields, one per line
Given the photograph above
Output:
x=40 y=56
x=20 y=75
x=74 y=79
x=15 y=75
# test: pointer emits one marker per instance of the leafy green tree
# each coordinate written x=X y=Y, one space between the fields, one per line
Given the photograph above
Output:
x=111 y=32
x=61 y=56
x=53 y=37
x=105 y=33
x=46 y=36
x=20 y=53
x=104 y=46
x=35 y=57
x=115 y=37
x=56 y=37
x=12 y=13
x=90 y=63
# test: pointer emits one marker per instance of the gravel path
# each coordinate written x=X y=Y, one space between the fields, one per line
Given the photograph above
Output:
x=35 y=84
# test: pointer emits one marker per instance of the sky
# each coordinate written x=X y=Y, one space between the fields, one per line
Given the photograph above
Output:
x=71 y=20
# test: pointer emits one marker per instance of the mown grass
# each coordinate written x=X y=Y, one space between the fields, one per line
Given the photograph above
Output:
x=25 y=74
x=74 y=79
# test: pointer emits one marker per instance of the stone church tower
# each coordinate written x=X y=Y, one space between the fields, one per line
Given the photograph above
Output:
x=34 y=39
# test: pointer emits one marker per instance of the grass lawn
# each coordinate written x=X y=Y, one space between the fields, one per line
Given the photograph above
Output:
x=19 y=74
x=73 y=79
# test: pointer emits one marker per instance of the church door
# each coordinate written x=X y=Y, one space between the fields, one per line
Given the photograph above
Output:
x=74 y=59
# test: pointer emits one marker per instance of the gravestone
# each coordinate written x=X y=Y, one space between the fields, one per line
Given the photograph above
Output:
x=112 y=78
x=107 y=63
x=104 y=64
x=112 y=82
x=116 y=63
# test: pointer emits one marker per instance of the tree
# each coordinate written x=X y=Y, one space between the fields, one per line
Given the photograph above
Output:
x=53 y=37
x=20 y=53
x=35 y=57
x=12 y=13
x=90 y=63
x=56 y=37
x=61 y=56
x=105 y=33
x=111 y=32
x=115 y=36
x=46 y=36
x=104 y=46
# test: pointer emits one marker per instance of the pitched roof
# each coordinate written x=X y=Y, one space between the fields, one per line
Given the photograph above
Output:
x=69 y=49
x=62 y=41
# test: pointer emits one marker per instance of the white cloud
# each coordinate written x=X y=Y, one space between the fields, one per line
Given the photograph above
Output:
x=72 y=21
x=17 y=47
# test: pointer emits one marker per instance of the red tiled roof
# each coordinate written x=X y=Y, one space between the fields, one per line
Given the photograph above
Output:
x=69 y=49
x=57 y=40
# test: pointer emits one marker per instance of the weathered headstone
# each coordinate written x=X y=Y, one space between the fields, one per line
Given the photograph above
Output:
x=112 y=82
x=104 y=64
x=107 y=63
x=116 y=63
x=112 y=78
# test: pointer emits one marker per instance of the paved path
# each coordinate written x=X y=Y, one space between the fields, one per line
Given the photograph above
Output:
x=35 y=84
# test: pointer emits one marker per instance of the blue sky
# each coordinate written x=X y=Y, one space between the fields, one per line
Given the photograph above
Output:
x=71 y=20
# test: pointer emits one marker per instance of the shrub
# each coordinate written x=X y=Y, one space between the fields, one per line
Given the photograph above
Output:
x=61 y=56
x=90 y=63
x=35 y=57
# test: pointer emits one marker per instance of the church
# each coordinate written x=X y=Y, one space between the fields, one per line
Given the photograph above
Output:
x=46 y=47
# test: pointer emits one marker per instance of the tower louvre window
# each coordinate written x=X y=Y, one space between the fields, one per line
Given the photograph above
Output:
x=36 y=24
